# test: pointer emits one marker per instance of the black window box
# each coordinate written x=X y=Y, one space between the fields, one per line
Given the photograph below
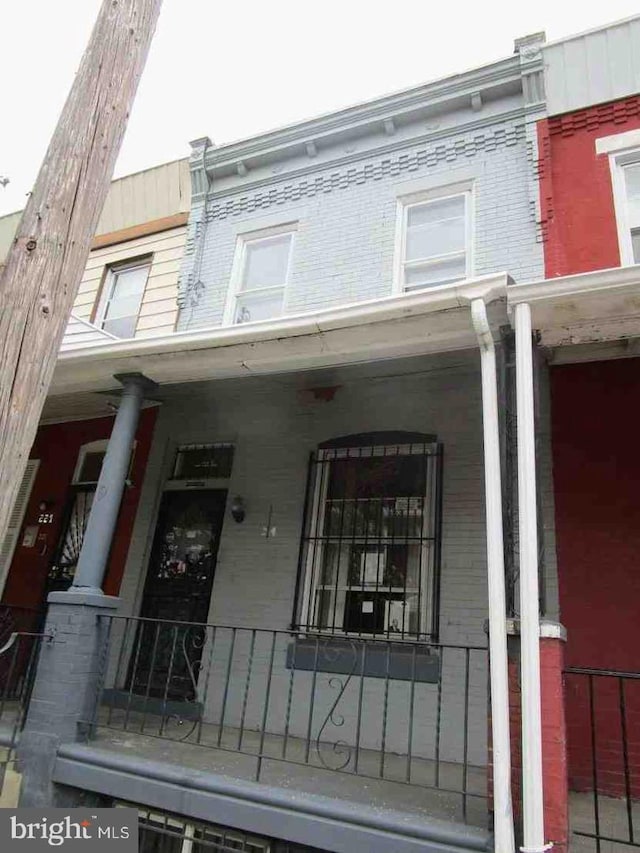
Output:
x=397 y=660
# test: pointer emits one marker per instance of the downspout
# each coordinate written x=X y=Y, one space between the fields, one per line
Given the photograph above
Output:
x=532 y=785
x=503 y=812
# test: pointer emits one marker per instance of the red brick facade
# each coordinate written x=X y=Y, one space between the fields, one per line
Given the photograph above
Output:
x=576 y=200
x=596 y=464
x=554 y=752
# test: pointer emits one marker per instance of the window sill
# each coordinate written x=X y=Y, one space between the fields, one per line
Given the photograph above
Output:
x=398 y=660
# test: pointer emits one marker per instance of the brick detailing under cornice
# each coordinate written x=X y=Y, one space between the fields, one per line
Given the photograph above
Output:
x=543 y=171
x=617 y=112
x=331 y=179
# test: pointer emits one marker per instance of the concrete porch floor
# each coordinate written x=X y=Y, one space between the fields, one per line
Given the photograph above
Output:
x=614 y=822
x=195 y=746
x=295 y=764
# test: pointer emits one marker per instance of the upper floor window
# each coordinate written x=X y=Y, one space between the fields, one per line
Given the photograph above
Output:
x=624 y=161
x=435 y=238
x=630 y=234
x=261 y=273
x=122 y=296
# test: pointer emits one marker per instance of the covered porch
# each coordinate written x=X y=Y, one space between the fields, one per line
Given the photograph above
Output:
x=317 y=552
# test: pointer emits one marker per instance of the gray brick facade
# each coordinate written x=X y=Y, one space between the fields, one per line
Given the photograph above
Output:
x=346 y=213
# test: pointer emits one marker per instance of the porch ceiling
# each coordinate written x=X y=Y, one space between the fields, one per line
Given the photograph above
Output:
x=438 y=320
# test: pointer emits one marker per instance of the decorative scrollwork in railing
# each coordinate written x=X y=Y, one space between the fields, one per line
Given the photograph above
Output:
x=338 y=749
x=190 y=659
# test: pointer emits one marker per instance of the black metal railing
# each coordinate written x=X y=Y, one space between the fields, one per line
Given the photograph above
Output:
x=18 y=659
x=14 y=619
x=399 y=712
x=603 y=728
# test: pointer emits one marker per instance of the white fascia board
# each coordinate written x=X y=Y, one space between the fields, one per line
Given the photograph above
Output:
x=603 y=305
x=622 y=279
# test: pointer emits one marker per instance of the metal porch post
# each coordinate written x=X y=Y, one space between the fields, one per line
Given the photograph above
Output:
x=501 y=744
x=532 y=785
x=113 y=476
x=69 y=673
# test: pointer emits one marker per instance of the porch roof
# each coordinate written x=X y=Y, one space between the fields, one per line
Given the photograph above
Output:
x=436 y=320
x=584 y=317
x=578 y=317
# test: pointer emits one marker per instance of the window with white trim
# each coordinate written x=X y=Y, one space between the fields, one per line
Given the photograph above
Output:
x=121 y=298
x=435 y=241
x=627 y=190
x=261 y=274
x=371 y=540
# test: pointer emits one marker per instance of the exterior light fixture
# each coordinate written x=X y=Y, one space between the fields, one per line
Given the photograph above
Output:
x=238 y=510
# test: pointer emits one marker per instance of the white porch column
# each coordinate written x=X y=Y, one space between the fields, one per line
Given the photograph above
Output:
x=503 y=811
x=532 y=790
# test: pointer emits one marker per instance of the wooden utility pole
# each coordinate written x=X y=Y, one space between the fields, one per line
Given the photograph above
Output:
x=42 y=272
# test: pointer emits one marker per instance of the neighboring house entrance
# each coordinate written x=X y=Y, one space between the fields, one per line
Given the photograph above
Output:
x=67 y=553
x=178 y=588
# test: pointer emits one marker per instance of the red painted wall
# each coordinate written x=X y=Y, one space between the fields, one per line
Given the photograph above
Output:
x=596 y=460
x=596 y=456
x=57 y=447
x=576 y=200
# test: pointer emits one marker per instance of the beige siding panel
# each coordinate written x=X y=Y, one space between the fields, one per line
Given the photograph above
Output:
x=165 y=267
x=157 y=320
x=153 y=194
x=161 y=280
x=152 y=297
x=160 y=294
x=151 y=309
x=173 y=239
x=79 y=334
x=156 y=331
x=8 y=228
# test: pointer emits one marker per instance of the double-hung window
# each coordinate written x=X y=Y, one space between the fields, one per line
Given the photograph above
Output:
x=628 y=209
x=624 y=161
x=261 y=273
x=122 y=294
x=435 y=241
x=371 y=541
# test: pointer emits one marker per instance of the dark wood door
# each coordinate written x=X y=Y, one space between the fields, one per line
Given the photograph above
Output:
x=178 y=590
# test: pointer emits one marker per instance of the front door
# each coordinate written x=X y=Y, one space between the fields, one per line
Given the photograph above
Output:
x=178 y=590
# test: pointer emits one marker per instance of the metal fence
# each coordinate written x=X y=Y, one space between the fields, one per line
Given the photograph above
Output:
x=408 y=713
x=18 y=660
x=603 y=728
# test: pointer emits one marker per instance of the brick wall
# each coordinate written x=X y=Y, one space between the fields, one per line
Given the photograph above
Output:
x=578 y=217
x=346 y=214
x=554 y=748
x=597 y=470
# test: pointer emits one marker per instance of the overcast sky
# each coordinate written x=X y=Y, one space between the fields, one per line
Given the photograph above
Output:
x=230 y=70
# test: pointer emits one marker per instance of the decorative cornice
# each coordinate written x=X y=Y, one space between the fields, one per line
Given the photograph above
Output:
x=200 y=182
x=343 y=122
x=330 y=177
x=478 y=123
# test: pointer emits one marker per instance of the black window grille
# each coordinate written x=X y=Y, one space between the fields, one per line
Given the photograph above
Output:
x=370 y=550
x=160 y=832
x=205 y=461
